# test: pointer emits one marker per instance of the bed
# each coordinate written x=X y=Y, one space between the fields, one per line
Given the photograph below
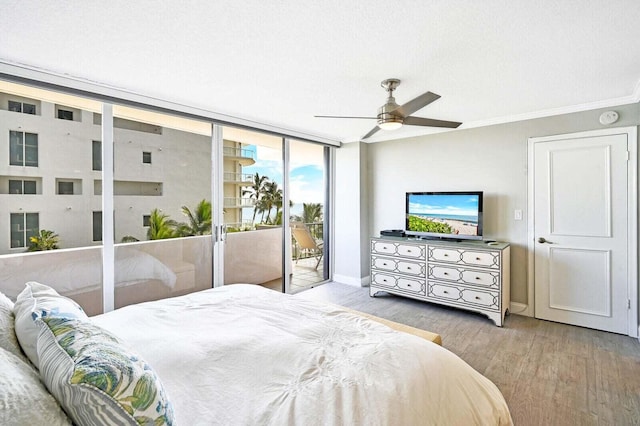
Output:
x=243 y=355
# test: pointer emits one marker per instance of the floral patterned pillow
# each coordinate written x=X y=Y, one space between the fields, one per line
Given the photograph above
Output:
x=95 y=378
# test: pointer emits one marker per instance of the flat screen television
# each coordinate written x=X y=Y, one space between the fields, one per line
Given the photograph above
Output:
x=452 y=215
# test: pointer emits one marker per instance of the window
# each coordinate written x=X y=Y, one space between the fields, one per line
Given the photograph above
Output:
x=97 y=226
x=64 y=114
x=65 y=188
x=96 y=155
x=22 y=186
x=146 y=220
x=146 y=157
x=23 y=227
x=22 y=107
x=15 y=106
x=23 y=149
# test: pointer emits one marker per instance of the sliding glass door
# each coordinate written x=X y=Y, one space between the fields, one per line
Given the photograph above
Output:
x=309 y=195
x=119 y=204
x=253 y=208
x=161 y=204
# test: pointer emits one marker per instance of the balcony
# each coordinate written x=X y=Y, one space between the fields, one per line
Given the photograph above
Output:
x=238 y=203
x=245 y=157
x=238 y=178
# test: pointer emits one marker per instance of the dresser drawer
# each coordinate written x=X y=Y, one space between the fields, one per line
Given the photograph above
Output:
x=481 y=298
x=381 y=279
x=444 y=291
x=411 y=285
x=398 y=249
x=398 y=265
x=486 y=259
x=383 y=263
x=464 y=296
x=383 y=247
x=409 y=250
x=481 y=278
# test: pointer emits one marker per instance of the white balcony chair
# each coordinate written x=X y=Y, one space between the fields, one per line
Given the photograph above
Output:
x=306 y=243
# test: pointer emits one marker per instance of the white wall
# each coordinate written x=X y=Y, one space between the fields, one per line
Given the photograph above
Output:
x=492 y=159
x=351 y=215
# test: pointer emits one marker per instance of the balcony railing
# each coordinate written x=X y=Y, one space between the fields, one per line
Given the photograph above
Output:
x=238 y=177
x=228 y=151
x=237 y=202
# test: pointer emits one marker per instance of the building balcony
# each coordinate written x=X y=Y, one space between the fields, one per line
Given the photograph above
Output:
x=238 y=202
x=238 y=178
x=245 y=157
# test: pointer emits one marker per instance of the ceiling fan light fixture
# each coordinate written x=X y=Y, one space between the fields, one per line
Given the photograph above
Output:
x=389 y=122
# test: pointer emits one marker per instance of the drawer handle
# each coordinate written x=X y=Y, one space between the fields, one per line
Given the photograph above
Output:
x=408 y=285
x=477 y=258
x=445 y=292
x=477 y=297
x=384 y=281
x=445 y=273
x=384 y=264
x=408 y=251
x=445 y=255
x=477 y=278
x=408 y=268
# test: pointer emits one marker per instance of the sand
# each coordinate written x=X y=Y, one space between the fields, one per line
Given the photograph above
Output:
x=460 y=227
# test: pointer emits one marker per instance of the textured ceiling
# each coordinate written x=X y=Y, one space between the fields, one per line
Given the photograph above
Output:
x=282 y=62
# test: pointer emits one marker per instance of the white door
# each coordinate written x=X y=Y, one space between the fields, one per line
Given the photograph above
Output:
x=581 y=230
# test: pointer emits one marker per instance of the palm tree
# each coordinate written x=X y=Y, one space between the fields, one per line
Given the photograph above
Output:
x=261 y=206
x=44 y=240
x=160 y=226
x=270 y=197
x=312 y=212
x=199 y=220
x=256 y=191
x=277 y=203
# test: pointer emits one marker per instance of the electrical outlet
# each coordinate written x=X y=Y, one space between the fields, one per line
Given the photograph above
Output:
x=517 y=214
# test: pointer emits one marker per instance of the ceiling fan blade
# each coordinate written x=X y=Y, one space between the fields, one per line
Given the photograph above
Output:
x=371 y=132
x=341 y=116
x=419 y=121
x=416 y=104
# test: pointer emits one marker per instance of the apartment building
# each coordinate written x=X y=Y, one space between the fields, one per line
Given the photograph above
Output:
x=51 y=169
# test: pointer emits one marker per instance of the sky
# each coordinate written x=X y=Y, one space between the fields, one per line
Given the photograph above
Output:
x=441 y=204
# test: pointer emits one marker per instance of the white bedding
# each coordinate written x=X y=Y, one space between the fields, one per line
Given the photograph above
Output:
x=76 y=271
x=242 y=354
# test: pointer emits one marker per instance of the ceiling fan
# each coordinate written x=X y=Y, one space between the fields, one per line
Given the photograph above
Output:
x=392 y=116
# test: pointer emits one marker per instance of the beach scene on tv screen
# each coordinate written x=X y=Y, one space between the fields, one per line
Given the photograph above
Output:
x=443 y=213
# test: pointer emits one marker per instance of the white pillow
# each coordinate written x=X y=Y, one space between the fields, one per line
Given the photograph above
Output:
x=23 y=398
x=39 y=300
x=96 y=379
x=8 y=339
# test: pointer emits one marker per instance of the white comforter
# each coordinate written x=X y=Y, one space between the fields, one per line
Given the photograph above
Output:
x=245 y=355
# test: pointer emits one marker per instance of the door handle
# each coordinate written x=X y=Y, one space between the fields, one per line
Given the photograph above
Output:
x=542 y=240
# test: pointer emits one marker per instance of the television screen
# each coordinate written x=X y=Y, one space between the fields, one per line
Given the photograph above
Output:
x=455 y=215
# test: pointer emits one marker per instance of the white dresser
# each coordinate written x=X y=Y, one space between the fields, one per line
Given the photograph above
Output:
x=468 y=275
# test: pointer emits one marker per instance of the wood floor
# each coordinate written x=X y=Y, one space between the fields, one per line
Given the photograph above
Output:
x=549 y=373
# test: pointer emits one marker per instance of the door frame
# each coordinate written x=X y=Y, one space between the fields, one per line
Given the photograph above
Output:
x=633 y=322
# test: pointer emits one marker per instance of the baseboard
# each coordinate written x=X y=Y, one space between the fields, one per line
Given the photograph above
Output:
x=353 y=281
x=520 y=309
